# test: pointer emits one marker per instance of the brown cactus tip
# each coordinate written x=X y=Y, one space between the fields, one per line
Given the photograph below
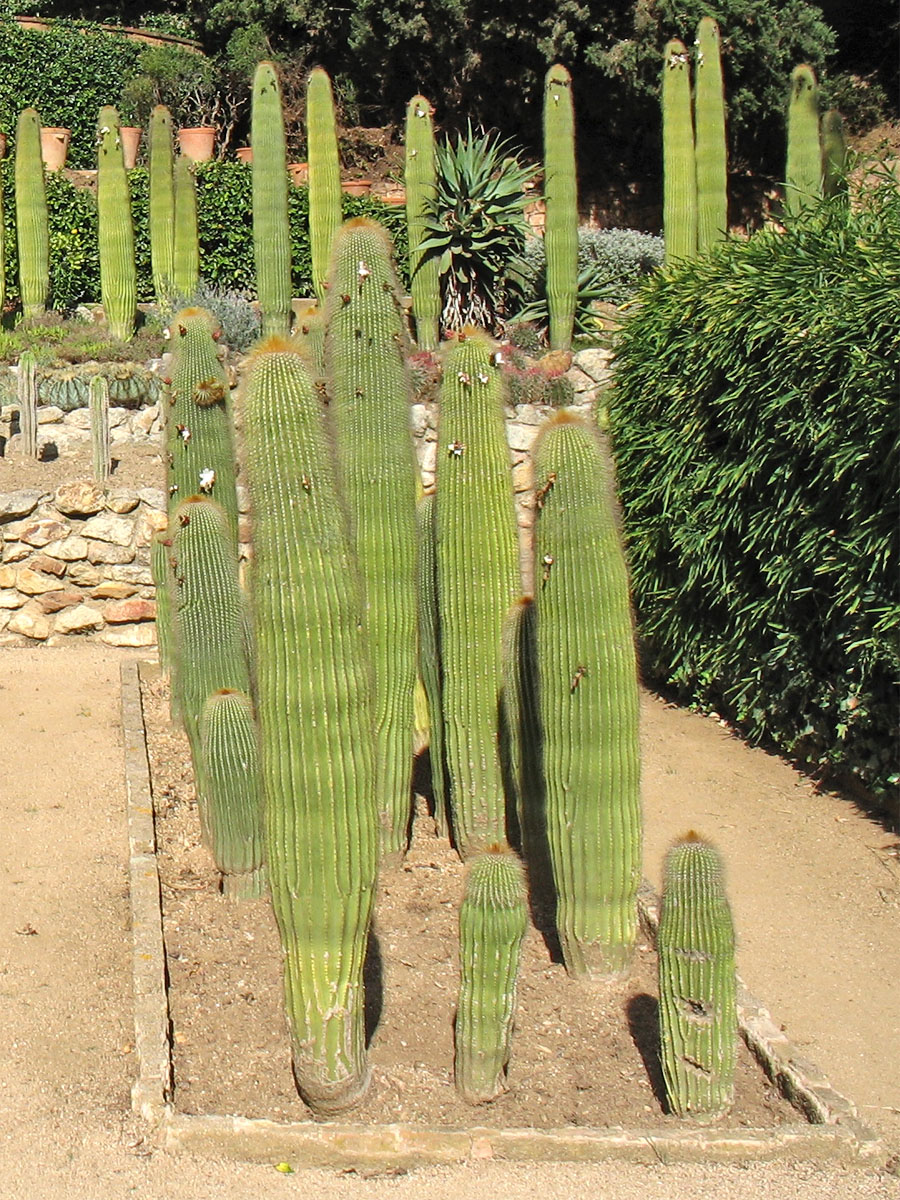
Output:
x=692 y=836
x=526 y=601
x=276 y=343
x=225 y=691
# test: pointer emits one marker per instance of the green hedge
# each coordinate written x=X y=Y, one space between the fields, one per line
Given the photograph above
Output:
x=224 y=216
x=755 y=417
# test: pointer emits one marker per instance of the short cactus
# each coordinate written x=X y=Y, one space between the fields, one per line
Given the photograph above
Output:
x=32 y=221
x=561 y=196
x=697 y=1013
x=492 y=923
x=679 y=166
x=803 y=171
x=271 y=227
x=835 y=154
x=27 y=393
x=115 y=229
x=98 y=403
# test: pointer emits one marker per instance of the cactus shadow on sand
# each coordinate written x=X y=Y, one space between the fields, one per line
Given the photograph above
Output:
x=642 y=1011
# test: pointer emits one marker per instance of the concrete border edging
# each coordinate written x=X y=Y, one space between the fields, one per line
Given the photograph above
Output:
x=835 y=1134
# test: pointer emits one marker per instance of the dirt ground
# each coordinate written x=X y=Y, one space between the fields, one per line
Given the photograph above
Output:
x=815 y=886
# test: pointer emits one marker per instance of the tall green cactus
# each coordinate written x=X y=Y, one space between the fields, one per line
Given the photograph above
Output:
x=32 y=222
x=199 y=427
x=803 y=170
x=115 y=229
x=271 y=227
x=835 y=154
x=234 y=794
x=27 y=395
x=711 y=152
x=161 y=573
x=492 y=923
x=697 y=1012
x=588 y=702
x=98 y=404
x=430 y=668
x=561 y=198
x=316 y=723
x=478 y=580
x=324 y=175
x=420 y=181
x=371 y=399
x=186 y=269
x=679 y=165
x=162 y=204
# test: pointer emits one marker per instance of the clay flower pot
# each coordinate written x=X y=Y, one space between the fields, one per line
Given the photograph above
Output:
x=3 y=145
x=244 y=154
x=357 y=187
x=299 y=173
x=131 y=142
x=54 y=147
x=197 y=142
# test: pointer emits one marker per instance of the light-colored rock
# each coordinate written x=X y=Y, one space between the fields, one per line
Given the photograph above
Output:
x=132 y=573
x=52 y=602
x=595 y=362
x=151 y=521
x=81 y=619
x=15 y=552
x=129 y=612
x=33 y=583
x=122 y=500
x=153 y=497
x=70 y=549
x=103 y=528
x=243 y=499
x=85 y=575
x=18 y=504
x=48 y=565
x=118 y=416
x=81 y=497
x=29 y=624
x=110 y=589
x=146 y=418
x=520 y=437
x=10 y=598
x=130 y=635
x=79 y=418
x=105 y=552
x=523 y=475
x=37 y=533
x=49 y=414
x=7 y=577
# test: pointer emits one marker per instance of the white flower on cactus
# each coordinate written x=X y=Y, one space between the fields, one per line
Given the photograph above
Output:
x=362 y=270
x=207 y=479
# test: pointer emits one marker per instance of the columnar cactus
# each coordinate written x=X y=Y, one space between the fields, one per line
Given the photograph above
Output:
x=697 y=1013
x=712 y=167
x=234 y=794
x=561 y=197
x=492 y=923
x=186 y=270
x=523 y=738
x=588 y=702
x=371 y=400
x=162 y=204
x=324 y=174
x=430 y=668
x=199 y=432
x=834 y=154
x=27 y=394
x=115 y=229
x=803 y=171
x=271 y=227
x=309 y=335
x=161 y=573
x=98 y=403
x=420 y=182
x=315 y=718
x=478 y=580
x=679 y=167
x=32 y=222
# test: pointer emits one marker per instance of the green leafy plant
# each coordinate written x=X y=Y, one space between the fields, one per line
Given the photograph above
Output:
x=475 y=225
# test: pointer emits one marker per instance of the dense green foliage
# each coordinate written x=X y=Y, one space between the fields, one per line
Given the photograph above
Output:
x=756 y=430
x=226 y=235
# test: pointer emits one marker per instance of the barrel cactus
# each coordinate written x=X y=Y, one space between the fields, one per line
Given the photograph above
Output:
x=697 y=1012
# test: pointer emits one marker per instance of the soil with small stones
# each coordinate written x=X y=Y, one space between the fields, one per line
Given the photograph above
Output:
x=583 y=1054
x=135 y=465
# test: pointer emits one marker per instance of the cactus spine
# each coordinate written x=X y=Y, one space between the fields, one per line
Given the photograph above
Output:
x=803 y=171
x=115 y=230
x=588 y=703
x=162 y=204
x=271 y=227
x=32 y=222
x=98 y=403
x=698 y=1019
x=26 y=387
x=371 y=399
x=315 y=718
x=186 y=270
x=834 y=154
x=420 y=180
x=324 y=175
x=231 y=775
x=561 y=196
x=478 y=580
x=679 y=167
x=712 y=167
x=492 y=923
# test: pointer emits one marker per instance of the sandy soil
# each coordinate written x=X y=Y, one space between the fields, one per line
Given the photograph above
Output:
x=815 y=885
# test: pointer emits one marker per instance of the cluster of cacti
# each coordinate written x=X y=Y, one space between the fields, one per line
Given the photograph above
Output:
x=561 y=198
x=419 y=177
x=32 y=222
x=697 y=1012
x=324 y=175
x=271 y=227
x=98 y=404
x=115 y=230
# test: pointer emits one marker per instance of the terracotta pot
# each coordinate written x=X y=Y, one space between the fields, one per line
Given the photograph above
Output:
x=398 y=197
x=131 y=143
x=197 y=142
x=357 y=187
x=54 y=147
x=3 y=144
x=244 y=154
x=299 y=173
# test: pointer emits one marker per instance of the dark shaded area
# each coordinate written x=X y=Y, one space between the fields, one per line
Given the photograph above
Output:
x=642 y=1012
x=373 y=985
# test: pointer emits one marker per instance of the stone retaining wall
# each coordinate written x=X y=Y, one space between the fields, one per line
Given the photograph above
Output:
x=60 y=433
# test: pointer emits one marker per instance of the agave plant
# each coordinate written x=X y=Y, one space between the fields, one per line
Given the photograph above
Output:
x=475 y=225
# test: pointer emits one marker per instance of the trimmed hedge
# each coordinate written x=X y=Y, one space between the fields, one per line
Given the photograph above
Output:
x=755 y=419
x=224 y=218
